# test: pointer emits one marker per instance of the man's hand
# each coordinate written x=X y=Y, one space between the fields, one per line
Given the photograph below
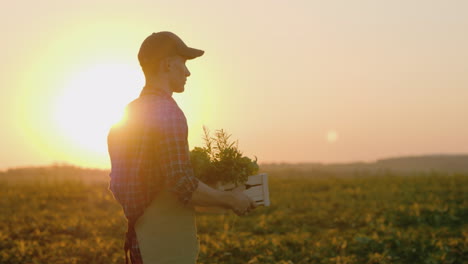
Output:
x=241 y=203
x=236 y=199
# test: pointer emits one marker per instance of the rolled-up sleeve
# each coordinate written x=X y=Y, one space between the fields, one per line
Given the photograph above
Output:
x=175 y=156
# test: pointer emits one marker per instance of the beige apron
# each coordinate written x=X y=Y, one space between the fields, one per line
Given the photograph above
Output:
x=167 y=232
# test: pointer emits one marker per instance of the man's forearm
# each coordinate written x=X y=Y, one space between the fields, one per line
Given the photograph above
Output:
x=204 y=195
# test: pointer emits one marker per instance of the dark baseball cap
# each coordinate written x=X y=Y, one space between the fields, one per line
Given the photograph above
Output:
x=164 y=44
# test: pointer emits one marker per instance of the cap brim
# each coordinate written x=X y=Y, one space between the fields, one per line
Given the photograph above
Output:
x=191 y=53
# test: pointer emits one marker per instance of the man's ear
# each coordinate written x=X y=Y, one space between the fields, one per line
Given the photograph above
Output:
x=165 y=64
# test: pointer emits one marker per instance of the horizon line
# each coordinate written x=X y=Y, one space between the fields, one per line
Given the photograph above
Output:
x=66 y=164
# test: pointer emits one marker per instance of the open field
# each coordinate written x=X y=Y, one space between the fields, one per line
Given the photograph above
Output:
x=358 y=218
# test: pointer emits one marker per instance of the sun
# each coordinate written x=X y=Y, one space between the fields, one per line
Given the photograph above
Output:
x=94 y=99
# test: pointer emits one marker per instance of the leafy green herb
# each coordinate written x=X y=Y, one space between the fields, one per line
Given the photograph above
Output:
x=220 y=160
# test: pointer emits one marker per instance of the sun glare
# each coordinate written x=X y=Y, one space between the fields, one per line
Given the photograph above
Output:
x=332 y=136
x=93 y=100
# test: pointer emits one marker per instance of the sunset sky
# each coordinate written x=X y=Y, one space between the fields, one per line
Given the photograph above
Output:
x=293 y=81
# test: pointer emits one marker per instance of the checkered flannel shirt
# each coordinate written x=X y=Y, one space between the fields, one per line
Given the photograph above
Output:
x=149 y=151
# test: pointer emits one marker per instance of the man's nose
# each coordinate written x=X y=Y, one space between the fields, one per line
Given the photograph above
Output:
x=187 y=72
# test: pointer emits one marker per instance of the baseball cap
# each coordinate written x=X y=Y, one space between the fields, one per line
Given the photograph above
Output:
x=164 y=44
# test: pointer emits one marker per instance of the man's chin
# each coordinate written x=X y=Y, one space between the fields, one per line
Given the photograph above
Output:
x=179 y=90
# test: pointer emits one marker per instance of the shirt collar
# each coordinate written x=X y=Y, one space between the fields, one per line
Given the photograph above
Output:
x=151 y=90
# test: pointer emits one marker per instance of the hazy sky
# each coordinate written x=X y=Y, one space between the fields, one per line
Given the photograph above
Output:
x=293 y=81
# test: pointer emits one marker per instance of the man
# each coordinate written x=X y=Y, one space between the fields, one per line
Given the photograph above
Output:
x=151 y=175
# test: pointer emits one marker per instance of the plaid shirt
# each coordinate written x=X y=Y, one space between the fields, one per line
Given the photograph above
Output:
x=149 y=151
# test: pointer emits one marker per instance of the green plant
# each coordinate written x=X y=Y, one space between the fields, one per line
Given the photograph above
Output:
x=68 y=215
x=220 y=160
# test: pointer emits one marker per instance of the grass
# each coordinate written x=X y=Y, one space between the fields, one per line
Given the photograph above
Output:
x=365 y=218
